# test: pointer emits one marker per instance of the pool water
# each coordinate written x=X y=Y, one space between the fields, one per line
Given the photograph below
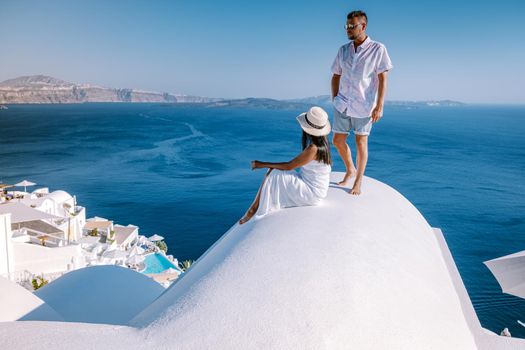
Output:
x=157 y=263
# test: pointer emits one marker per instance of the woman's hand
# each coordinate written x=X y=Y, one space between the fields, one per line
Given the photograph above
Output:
x=256 y=164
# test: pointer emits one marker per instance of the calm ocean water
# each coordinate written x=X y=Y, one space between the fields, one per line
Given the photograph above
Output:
x=183 y=172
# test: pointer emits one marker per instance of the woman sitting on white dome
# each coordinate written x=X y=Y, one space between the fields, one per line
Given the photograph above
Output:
x=282 y=186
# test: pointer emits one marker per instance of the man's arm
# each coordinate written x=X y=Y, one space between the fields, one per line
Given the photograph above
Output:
x=335 y=85
x=377 y=112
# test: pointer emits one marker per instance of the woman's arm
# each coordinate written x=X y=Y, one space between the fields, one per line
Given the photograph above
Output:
x=303 y=158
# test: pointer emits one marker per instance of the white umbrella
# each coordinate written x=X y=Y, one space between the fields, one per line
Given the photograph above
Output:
x=24 y=184
x=509 y=270
x=135 y=259
x=114 y=254
x=136 y=250
x=156 y=238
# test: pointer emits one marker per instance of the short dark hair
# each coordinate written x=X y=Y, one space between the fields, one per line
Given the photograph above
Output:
x=357 y=14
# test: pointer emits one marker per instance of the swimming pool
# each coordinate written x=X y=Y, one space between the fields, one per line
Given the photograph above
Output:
x=157 y=263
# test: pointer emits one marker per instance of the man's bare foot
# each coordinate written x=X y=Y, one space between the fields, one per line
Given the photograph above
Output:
x=356 y=189
x=249 y=214
x=347 y=177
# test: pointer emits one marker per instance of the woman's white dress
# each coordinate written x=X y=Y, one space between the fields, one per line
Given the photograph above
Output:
x=282 y=189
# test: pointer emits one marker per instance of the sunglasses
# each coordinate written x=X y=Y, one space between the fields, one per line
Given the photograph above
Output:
x=352 y=26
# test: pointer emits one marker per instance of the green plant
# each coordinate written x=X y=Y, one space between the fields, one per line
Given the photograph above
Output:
x=39 y=282
x=185 y=265
x=111 y=234
x=162 y=246
x=93 y=233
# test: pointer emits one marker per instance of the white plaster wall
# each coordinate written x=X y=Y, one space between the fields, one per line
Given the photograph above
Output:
x=49 y=206
x=77 y=222
x=7 y=262
x=39 y=259
x=127 y=242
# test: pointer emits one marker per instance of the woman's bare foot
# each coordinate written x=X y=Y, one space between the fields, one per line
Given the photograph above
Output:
x=249 y=214
x=347 y=177
x=356 y=189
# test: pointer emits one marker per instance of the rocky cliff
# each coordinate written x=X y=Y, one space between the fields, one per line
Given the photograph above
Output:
x=45 y=89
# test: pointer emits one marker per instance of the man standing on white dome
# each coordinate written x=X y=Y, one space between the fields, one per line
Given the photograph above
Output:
x=359 y=84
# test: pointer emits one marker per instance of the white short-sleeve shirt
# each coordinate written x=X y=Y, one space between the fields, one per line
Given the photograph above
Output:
x=359 y=81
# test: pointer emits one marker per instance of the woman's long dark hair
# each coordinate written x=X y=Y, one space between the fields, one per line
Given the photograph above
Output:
x=323 y=147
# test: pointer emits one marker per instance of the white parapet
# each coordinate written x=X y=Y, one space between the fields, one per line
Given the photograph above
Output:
x=39 y=259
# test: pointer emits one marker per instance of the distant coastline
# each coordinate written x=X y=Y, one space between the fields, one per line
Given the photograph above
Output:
x=41 y=89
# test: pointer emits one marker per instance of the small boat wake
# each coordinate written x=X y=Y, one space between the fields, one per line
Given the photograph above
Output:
x=147 y=116
x=175 y=157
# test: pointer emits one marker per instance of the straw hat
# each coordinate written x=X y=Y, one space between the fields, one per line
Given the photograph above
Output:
x=315 y=122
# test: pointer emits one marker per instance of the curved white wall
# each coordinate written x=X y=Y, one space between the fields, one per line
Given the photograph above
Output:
x=357 y=272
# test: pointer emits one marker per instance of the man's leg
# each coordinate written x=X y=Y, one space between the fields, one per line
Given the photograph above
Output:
x=339 y=141
x=361 y=141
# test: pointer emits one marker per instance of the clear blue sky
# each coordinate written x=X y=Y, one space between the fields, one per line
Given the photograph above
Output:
x=472 y=51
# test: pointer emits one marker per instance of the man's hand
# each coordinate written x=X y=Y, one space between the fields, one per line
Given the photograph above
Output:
x=255 y=164
x=377 y=113
x=336 y=78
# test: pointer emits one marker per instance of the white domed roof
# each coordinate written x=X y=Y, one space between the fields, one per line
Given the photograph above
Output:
x=100 y=294
x=363 y=272
x=59 y=196
x=17 y=303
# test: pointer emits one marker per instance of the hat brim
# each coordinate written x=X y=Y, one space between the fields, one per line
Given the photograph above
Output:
x=301 y=118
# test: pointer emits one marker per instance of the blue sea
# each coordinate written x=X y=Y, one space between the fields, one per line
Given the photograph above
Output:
x=182 y=171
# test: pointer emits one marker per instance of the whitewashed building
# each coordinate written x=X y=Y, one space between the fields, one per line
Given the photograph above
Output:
x=25 y=252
